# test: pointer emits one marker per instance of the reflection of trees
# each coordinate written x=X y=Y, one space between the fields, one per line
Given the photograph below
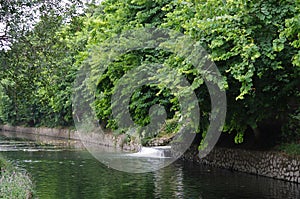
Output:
x=168 y=182
x=78 y=175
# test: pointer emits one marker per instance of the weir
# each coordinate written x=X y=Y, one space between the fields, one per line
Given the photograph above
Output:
x=153 y=152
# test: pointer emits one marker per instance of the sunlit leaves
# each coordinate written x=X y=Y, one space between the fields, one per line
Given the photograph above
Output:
x=37 y=72
x=255 y=45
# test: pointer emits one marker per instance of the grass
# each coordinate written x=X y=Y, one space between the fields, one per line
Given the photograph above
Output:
x=290 y=148
x=14 y=183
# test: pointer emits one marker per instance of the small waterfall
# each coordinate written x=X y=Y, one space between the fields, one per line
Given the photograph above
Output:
x=153 y=152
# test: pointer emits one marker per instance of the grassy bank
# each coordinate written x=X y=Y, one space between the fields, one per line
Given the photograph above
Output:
x=14 y=183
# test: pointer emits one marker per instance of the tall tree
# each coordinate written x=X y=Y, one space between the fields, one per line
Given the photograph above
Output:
x=35 y=57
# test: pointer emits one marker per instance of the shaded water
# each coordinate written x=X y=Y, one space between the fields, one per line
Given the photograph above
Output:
x=70 y=174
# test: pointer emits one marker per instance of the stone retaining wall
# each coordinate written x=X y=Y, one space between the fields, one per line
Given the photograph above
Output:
x=265 y=163
x=104 y=139
x=58 y=133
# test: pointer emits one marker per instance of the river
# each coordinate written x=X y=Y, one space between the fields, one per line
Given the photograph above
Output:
x=67 y=173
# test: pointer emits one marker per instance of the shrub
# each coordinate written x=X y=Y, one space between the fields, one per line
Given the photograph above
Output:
x=14 y=183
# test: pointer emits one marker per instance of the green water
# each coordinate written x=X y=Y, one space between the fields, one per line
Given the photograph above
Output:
x=76 y=174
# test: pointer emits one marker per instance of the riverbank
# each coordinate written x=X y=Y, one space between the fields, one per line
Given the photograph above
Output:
x=14 y=183
x=272 y=164
x=71 y=137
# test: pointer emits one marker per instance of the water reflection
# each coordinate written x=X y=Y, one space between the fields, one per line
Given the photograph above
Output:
x=168 y=182
x=76 y=174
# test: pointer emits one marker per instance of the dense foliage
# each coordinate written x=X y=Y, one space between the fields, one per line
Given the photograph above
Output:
x=37 y=71
x=255 y=45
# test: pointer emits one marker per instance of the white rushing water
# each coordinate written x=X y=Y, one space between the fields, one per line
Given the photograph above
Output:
x=152 y=152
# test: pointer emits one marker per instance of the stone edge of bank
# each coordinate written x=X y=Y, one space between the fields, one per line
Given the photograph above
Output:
x=105 y=139
x=271 y=164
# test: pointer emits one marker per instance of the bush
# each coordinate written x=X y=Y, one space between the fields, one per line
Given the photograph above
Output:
x=291 y=130
x=291 y=149
x=14 y=183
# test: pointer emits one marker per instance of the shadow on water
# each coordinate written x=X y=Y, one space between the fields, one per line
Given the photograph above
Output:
x=76 y=174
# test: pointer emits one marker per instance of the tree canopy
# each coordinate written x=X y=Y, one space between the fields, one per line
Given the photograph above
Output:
x=254 y=44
